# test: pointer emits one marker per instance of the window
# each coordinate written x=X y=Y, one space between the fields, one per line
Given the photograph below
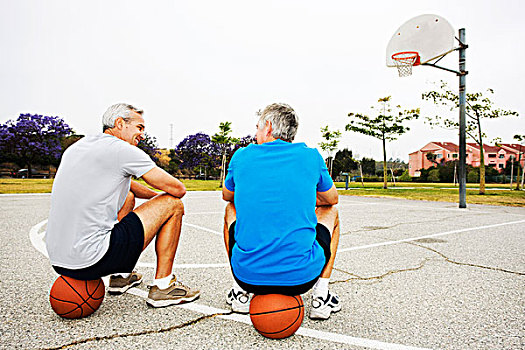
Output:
x=492 y=155
x=454 y=155
x=501 y=156
x=500 y=166
x=439 y=156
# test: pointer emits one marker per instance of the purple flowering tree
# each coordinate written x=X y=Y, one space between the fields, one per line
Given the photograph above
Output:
x=149 y=145
x=33 y=139
x=198 y=151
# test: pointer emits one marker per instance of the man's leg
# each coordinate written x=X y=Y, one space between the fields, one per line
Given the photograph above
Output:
x=162 y=218
x=237 y=297
x=121 y=282
x=325 y=302
x=230 y=215
x=329 y=217
x=128 y=206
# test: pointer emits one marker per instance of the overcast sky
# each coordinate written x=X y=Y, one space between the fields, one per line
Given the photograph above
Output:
x=194 y=64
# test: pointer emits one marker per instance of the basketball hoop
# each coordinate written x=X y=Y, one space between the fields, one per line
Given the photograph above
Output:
x=404 y=62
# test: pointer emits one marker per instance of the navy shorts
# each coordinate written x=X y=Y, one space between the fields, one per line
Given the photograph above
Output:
x=125 y=247
x=324 y=239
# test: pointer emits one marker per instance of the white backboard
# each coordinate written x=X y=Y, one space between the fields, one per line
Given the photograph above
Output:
x=431 y=36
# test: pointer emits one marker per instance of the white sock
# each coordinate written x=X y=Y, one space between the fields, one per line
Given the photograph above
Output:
x=164 y=282
x=123 y=275
x=321 y=287
x=236 y=287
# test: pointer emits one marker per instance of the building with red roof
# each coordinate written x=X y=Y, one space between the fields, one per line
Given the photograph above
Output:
x=495 y=156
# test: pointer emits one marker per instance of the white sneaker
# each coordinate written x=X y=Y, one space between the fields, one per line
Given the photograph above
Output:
x=323 y=307
x=239 y=300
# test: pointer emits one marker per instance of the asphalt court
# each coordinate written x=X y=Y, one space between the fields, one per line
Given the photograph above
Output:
x=410 y=274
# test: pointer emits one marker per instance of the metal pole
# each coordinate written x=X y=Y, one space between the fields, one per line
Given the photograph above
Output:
x=462 y=138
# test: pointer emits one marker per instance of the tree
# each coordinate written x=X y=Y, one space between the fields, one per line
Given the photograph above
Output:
x=432 y=157
x=33 y=139
x=343 y=162
x=478 y=107
x=519 y=138
x=174 y=162
x=368 y=166
x=225 y=142
x=433 y=175
x=149 y=145
x=197 y=150
x=386 y=126
x=332 y=139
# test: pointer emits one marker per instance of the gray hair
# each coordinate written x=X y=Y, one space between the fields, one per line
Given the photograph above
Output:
x=283 y=118
x=122 y=110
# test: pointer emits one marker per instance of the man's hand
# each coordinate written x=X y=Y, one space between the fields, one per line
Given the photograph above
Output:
x=330 y=197
x=227 y=195
x=163 y=181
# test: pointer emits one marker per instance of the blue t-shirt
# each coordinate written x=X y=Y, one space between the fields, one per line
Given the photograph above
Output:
x=275 y=187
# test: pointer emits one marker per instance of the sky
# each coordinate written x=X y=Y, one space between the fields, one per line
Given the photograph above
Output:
x=194 y=64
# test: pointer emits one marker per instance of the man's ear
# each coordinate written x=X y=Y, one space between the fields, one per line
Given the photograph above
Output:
x=270 y=129
x=119 y=123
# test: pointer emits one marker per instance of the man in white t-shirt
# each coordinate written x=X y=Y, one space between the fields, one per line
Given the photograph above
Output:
x=94 y=229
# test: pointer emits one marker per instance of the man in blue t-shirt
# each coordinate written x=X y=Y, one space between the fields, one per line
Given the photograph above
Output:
x=281 y=228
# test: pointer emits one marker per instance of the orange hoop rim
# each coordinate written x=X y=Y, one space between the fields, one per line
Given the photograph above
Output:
x=405 y=56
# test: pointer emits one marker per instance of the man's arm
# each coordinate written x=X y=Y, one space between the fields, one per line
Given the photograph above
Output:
x=227 y=195
x=163 y=181
x=141 y=191
x=330 y=197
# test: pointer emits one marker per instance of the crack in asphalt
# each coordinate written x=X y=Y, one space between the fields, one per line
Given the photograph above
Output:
x=420 y=266
x=376 y=228
x=447 y=259
x=379 y=277
x=135 y=334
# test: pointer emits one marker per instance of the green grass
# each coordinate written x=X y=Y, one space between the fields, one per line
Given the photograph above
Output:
x=45 y=185
x=496 y=194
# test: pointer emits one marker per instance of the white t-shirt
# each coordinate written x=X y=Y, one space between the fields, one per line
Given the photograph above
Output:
x=90 y=187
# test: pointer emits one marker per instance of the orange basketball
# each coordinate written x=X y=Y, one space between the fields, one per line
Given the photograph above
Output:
x=71 y=298
x=276 y=316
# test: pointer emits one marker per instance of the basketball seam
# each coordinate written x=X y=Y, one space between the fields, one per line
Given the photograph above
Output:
x=81 y=297
x=280 y=310
x=283 y=330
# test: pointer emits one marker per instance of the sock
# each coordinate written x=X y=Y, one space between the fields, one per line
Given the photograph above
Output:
x=321 y=287
x=164 y=282
x=123 y=275
x=236 y=287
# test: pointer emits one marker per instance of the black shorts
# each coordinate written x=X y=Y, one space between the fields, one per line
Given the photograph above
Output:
x=324 y=239
x=125 y=247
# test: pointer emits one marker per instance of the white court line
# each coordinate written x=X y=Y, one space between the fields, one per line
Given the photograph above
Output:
x=186 y=266
x=307 y=332
x=204 y=213
x=203 y=228
x=429 y=236
x=37 y=240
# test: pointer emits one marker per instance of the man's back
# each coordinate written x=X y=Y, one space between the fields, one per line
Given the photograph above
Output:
x=275 y=188
x=91 y=184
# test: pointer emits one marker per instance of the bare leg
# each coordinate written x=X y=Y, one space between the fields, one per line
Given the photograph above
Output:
x=230 y=215
x=128 y=206
x=162 y=218
x=329 y=217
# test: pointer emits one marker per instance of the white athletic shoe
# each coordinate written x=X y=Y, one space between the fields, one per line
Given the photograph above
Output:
x=239 y=301
x=323 y=307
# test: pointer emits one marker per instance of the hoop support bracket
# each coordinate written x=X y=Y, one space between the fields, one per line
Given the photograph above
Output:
x=443 y=68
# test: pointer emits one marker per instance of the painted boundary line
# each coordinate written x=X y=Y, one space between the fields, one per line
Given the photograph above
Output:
x=37 y=240
x=307 y=332
x=430 y=236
